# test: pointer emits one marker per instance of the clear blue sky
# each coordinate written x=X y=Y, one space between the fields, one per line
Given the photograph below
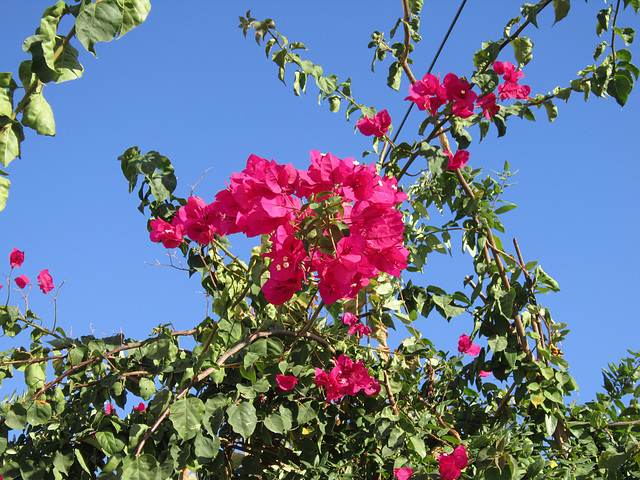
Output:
x=186 y=83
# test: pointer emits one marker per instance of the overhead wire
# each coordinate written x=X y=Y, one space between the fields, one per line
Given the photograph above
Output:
x=433 y=62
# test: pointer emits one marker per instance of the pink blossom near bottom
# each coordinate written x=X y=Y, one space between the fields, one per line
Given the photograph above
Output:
x=450 y=466
x=110 y=409
x=403 y=473
x=141 y=407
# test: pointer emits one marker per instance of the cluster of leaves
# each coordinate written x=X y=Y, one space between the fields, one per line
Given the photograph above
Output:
x=213 y=404
x=54 y=60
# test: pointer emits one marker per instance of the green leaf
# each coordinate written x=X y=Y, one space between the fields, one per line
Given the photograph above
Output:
x=141 y=468
x=552 y=110
x=497 y=344
x=530 y=12
x=206 y=448
x=4 y=190
x=38 y=115
x=6 y=106
x=67 y=63
x=619 y=88
x=16 y=417
x=243 y=419
x=103 y=21
x=134 y=12
x=522 y=49
x=10 y=137
x=561 y=8
x=626 y=34
x=29 y=470
x=38 y=413
x=186 y=415
x=334 y=103
x=147 y=388
x=109 y=443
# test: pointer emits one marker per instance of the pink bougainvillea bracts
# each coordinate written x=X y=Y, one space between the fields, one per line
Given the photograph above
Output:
x=450 y=466
x=428 y=94
x=16 y=258
x=22 y=281
x=109 y=409
x=140 y=408
x=357 y=234
x=484 y=374
x=465 y=346
x=458 y=160
x=45 y=282
x=511 y=88
x=286 y=382
x=376 y=126
x=356 y=327
x=403 y=473
x=346 y=378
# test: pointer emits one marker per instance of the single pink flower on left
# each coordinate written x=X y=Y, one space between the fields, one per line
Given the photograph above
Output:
x=377 y=126
x=22 y=281
x=16 y=258
x=141 y=407
x=45 y=281
x=286 y=382
x=465 y=346
x=403 y=473
x=110 y=409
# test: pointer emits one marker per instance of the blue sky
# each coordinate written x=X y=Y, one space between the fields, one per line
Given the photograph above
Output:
x=187 y=84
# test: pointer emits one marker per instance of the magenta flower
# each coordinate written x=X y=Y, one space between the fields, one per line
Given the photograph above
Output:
x=22 y=281
x=286 y=382
x=458 y=160
x=459 y=92
x=140 y=408
x=346 y=378
x=450 y=466
x=510 y=88
x=403 y=473
x=465 y=346
x=483 y=374
x=45 y=281
x=488 y=105
x=170 y=234
x=355 y=326
x=377 y=126
x=110 y=409
x=16 y=258
x=428 y=94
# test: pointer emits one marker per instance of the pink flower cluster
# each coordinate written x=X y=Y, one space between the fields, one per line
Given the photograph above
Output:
x=376 y=126
x=356 y=327
x=450 y=466
x=45 y=281
x=429 y=94
x=267 y=198
x=510 y=88
x=346 y=378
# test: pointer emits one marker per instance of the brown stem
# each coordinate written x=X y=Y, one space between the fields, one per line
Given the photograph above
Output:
x=407 y=42
x=392 y=399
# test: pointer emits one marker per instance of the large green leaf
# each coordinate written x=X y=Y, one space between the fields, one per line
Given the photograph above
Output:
x=243 y=419
x=38 y=115
x=103 y=21
x=561 y=8
x=186 y=415
x=141 y=468
x=10 y=137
